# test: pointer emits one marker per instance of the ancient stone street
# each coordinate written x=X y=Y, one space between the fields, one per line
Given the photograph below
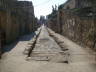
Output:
x=47 y=55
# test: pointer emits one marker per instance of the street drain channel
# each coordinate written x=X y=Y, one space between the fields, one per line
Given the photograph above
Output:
x=33 y=44
x=58 y=57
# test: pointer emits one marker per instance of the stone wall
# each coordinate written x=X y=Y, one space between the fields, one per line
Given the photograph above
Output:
x=16 y=19
x=53 y=22
x=79 y=29
x=25 y=16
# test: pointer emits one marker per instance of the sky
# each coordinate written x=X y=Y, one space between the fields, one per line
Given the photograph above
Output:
x=44 y=7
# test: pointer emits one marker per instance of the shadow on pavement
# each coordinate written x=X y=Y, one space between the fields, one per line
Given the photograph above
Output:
x=28 y=37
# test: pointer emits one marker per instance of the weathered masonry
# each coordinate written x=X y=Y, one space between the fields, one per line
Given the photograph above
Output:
x=16 y=19
x=70 y=4
x=76 y=23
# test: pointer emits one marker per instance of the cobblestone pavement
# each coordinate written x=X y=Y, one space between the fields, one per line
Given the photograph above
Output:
x=80 y=59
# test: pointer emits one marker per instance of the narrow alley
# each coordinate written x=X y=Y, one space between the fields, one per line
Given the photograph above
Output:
x=47 y=35
x=48 y=56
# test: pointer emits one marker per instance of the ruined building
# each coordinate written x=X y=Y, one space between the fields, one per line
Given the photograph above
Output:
x=16 y=19
x=25 y=16
x=74 y=20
